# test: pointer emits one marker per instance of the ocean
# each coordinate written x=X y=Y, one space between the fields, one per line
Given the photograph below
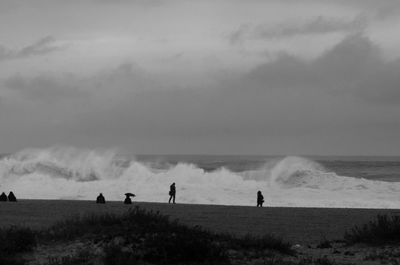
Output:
x=291 y=181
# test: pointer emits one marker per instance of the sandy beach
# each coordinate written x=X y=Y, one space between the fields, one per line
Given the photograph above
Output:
x=297 y=225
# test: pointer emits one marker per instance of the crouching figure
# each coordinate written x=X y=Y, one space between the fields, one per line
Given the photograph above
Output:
x=11 y=197
x=100 y=199
x=3 y=197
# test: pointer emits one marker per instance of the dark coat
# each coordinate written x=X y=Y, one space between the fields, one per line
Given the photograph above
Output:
x=100 y=199
x=260 y=198
x=172 y=190
x=127 y=200
x=11 y=197
x=3 y=197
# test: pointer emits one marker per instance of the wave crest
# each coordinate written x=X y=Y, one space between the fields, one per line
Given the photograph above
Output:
x=63 y=162
x=71 y=173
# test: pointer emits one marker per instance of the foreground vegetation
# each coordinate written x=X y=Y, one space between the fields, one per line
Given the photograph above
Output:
x=14 y=241
x=383 y=230
x=144 y=237
x=141 y=237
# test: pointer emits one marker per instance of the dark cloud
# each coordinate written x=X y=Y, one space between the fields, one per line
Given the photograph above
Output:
x=358 y=3
x=288 y=105
x=46 y=88
x=319 y=25
x=130 y=2
x=353 y=67
x=239 y=35
x=387 y=12
x=126 y=79
x=378 y=9
x=381 y=84
x=43 y=46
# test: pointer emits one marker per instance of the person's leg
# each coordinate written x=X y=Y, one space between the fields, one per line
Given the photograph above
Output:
x=174 y=198
x=170 y=197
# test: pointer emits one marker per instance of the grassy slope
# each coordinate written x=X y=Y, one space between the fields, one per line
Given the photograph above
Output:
x=144 y=237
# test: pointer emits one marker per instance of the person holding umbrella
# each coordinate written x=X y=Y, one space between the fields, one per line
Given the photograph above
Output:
x=128 y=198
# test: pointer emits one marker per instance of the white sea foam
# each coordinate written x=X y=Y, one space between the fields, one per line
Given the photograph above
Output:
x=70 y=173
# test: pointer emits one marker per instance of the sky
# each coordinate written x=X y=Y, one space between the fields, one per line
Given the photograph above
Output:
x=287 y=77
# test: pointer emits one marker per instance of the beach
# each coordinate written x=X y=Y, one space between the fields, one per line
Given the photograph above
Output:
x=316 y=235
x=294 y=224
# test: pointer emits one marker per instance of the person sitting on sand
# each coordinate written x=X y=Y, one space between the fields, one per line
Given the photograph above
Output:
x=172 y=193
x=100 y=199
x=127 y=200
x=11 y=197
x=260 y=199
x=3 y=197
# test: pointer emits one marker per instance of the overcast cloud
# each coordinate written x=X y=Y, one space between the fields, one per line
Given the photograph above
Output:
x=40 y=47
x=318 y=25
x=323 y=82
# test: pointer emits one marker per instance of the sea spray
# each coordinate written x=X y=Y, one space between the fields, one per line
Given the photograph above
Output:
x=71 y=173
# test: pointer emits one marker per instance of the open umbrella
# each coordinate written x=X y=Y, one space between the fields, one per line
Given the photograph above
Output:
x=130 y=194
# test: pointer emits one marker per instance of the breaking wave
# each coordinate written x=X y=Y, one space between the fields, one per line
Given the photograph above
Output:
x=70 y=173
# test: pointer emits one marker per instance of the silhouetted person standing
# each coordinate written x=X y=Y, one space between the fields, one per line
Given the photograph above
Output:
x=3 y=197
x=100 y=199
x=260 y=199
x=11 y=197
x=172 y=193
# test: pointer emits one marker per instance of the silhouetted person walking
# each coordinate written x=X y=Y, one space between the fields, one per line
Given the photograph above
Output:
x=172 y=193
x=260 y=199
x=3 y=197
x=11 y=197
x=100 y=199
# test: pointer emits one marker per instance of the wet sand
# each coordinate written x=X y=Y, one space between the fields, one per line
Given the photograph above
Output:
x=297 y=225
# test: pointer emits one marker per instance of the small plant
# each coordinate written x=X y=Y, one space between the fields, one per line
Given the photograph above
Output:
x=384 y=255
x=69 y=260
x=250 y=242
x=324 y=261
x=82 y=225
x=303 y=261
x=324 y=244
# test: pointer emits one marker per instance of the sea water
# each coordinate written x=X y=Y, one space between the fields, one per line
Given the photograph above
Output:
x=71 y=173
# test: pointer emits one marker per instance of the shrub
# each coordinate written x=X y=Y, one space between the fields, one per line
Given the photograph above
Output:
x=324 y=244
x=78 y=226
x=78 y=259
x=15 y=240
x=148 y=236
x=385 y=229
x=139 y=236
x=250 y=242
